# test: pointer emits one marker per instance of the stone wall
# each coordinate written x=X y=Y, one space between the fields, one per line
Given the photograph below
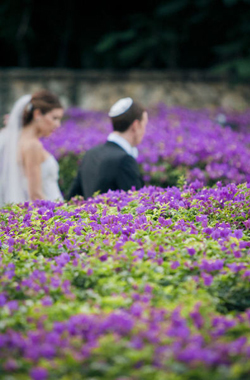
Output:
x=98 y=90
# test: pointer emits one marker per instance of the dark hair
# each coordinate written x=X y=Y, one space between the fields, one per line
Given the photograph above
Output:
x=122 y=122
x=43 y=100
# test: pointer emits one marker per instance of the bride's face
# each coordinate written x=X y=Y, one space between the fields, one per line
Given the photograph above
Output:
x=50 y=121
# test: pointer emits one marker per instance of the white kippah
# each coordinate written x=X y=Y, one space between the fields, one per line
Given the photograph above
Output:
x=120 y=107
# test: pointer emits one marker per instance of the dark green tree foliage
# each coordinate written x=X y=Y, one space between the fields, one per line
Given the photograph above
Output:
x=161 y=34
x=15 y=31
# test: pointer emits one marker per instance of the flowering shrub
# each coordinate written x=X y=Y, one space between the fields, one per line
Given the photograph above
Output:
x=151 y=284
x=178 y=142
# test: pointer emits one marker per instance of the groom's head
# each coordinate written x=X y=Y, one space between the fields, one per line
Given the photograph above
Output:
x=129 y=117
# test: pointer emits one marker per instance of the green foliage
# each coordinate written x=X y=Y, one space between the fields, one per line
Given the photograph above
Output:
x=155 y=39
x=161 y=34
x=233 y=294
x=112 y=39
x=171 y=7
x=230 y=3
x=68 y=169
x=239 y=67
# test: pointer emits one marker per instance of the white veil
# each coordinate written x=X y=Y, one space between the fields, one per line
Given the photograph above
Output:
x=12 y=187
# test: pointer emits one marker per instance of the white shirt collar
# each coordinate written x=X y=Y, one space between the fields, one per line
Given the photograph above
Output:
x=123 y=143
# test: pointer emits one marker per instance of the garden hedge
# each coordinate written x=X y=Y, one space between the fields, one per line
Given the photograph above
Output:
x=149 y=284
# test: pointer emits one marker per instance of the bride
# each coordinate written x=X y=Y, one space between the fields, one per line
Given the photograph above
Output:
x=27 y=171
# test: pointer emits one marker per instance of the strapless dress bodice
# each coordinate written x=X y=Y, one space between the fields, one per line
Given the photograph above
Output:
x=50 y=175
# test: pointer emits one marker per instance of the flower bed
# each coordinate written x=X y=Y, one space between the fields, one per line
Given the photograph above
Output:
x=196 y=144
x=151 y=284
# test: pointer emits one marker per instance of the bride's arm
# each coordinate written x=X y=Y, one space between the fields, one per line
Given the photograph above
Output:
x=32 y=159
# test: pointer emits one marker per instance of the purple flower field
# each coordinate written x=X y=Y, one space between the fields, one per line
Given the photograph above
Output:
x=153 y=284
x=140 y=285
x=178 y=142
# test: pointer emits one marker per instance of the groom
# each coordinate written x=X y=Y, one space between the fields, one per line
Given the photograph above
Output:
x=113 y=165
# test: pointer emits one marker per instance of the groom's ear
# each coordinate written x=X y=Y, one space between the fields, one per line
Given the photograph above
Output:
x=134 y=125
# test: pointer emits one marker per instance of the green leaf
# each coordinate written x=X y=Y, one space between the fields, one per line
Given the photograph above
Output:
x=230 y=3
x=110 y=40
x=171 y=7
x=133 y=51
x=240 y=66
x=230 y=48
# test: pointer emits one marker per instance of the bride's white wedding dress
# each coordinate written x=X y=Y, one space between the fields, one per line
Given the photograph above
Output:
x=50 y=174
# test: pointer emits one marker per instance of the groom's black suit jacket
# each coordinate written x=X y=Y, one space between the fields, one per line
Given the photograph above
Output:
x=106 y=167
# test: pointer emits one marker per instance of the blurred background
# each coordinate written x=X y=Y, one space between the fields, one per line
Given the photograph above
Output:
x=174 y=34
x=187 y=52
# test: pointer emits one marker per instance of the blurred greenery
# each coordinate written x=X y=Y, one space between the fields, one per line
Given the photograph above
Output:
x=170 y=34
x=68 y=170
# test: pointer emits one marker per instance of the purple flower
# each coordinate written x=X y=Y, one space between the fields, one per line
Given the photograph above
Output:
x=238 y=234
x=136 y=310
x=197 y=317
x=12 y=305
x=246 y=273
x=136 y=343
x=207 y=278
x=3 y=300
x=11 y=365
x=215 y=234
x=47 y=301
x=148 y=288
x=39 y=373
x=247 y=223
x=210 y=266
x=236 y=267
x=63 y=259
x=174 y=264
x=103 y=257
x=208 y=230
x=191 y=251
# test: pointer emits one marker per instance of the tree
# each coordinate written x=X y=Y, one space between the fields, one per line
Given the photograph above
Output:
x=176 y=34
x=15 y=29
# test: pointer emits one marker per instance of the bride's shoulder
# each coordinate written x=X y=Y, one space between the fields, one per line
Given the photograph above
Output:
x=31 y=144
x=31 y=148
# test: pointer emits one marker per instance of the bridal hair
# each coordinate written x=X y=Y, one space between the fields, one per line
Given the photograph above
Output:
x=122 y=122
x=43 y=100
